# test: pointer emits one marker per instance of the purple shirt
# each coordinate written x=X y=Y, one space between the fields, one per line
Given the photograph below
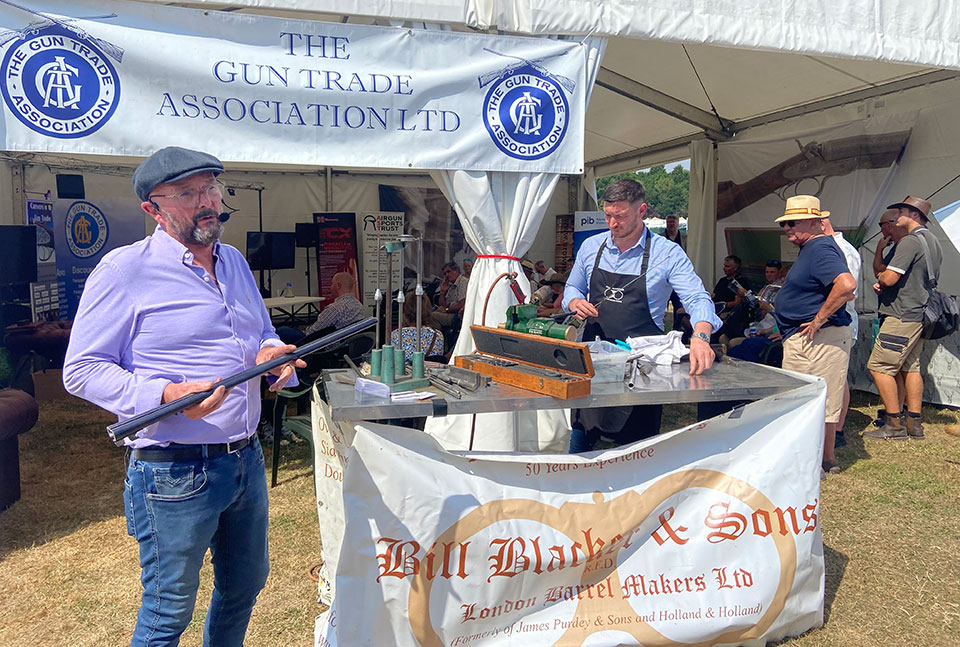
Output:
x=148 y=316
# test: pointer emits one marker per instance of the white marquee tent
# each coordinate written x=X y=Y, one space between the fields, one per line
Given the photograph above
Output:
x=676 y=80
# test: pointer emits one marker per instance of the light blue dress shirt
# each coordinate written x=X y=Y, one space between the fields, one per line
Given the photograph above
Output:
x=669 y=269
x=148 y=317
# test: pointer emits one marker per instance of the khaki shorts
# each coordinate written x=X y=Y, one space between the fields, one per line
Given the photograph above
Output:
x=898 y=347
x=827 y=356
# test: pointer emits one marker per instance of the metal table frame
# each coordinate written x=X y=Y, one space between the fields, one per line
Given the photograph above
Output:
x=727 y=380
x=291 y=308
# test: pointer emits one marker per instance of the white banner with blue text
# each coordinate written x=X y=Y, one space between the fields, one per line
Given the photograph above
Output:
x=126 y=78
x=707 y=535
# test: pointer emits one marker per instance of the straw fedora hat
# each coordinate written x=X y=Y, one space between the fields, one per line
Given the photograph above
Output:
x=802 y=207
x=914 y=203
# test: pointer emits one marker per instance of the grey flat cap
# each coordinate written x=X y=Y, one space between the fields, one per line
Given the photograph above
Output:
x=171 y=164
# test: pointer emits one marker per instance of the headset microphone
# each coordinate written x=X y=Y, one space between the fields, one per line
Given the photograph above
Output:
x=223 y=217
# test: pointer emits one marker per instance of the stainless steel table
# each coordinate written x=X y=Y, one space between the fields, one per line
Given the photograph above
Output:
x=727 y=380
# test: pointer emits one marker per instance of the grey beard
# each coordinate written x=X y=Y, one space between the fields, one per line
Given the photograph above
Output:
x=194 y=235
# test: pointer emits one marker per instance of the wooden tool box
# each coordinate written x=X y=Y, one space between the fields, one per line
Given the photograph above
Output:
x=549 y=366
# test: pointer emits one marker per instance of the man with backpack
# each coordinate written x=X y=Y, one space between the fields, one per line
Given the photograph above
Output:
x=903 y=290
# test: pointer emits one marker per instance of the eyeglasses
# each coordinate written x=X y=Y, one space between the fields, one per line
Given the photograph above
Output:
x=887 y=222
x=788 y=223
x=190 y=199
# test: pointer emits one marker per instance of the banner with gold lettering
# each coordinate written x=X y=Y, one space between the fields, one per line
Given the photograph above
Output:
x=706 y=535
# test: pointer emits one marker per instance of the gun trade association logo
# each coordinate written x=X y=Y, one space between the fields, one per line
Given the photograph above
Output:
x=57 y=79
x=86 y=229
x=526 y=111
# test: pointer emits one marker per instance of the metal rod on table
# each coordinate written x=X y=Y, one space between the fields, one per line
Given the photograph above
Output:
x=446 y=388
x=388 y=333
x=353 y=366
x=121 y=430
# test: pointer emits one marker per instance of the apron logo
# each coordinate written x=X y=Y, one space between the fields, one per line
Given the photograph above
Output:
x=58 y=80
x=612 y=294
x=526 y=110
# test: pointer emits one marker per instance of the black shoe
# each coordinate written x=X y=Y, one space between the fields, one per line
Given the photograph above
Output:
x=841 y=440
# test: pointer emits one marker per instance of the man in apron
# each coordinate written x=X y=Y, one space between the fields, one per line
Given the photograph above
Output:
x=620 y=284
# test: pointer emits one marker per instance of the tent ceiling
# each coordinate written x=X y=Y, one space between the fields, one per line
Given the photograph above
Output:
x=743 y=85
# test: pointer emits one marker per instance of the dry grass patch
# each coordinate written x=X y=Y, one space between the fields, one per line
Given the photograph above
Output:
x=69 y=573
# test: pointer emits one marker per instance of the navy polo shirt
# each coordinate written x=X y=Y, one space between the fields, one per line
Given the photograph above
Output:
x=807 y=285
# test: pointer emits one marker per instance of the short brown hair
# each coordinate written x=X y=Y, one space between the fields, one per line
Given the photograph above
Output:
x=625 y=190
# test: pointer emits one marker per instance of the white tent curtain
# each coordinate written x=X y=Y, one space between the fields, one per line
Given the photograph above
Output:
x=501 y=214
x=702 y=215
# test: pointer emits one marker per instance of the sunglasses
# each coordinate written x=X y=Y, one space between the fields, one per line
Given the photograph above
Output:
x=887 y=222
x=788 y=223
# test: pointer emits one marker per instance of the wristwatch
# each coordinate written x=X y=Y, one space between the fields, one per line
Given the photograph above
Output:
x=702 y=336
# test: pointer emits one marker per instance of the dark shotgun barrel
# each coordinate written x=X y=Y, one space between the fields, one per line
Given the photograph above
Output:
x=121 y=430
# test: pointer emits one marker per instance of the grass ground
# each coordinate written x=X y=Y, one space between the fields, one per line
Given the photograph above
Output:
x=69 y=574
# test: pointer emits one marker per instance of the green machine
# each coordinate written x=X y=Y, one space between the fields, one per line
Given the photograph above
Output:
x=523 y=318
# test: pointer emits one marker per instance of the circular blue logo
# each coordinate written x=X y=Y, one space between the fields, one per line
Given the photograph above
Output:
x=59 y=84
x=526 y=114
x=86 y=229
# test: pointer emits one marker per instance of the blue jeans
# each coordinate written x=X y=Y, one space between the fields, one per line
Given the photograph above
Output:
x=175 y=511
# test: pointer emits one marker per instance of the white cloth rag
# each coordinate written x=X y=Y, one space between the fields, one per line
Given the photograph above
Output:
x=659 y=349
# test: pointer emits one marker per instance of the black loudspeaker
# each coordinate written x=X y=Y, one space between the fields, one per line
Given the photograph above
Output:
x=70 y=187
x=306 y=234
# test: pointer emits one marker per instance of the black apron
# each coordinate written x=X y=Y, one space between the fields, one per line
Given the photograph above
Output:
x=624 y=313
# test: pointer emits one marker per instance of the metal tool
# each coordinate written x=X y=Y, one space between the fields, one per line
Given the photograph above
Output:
x=446 y=388
x=353 y=366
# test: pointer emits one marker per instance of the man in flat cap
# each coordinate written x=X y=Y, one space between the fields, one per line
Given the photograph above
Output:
x=811 y=313
x=902 y=287
x=160 y=319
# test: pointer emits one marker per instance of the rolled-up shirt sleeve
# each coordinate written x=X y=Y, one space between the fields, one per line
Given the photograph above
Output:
x=576 y=287
x=688 y=286
x=93 y=367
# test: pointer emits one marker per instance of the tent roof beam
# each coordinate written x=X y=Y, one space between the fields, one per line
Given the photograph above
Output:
x=892 y=87
x=716 y=127
x=616 y=161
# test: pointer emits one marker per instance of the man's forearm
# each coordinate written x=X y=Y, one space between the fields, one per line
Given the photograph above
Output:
x=839 y=295
x=878 y=264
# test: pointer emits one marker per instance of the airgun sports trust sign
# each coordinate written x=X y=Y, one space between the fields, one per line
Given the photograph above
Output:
x=709 y=535
x=84 y=77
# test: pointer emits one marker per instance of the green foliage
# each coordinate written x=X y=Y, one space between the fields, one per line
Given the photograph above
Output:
x=668 y=194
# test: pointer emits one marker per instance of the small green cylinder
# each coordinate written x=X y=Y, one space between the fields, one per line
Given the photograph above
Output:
x=387 y=375
x=399 y=363
x=376 y=357
x=417 y=366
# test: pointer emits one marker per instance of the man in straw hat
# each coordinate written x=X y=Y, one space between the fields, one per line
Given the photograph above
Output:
x=902 y=287
x=810 y=310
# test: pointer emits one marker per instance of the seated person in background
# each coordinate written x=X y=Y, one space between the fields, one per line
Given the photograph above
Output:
x=345 y=308
x=546 y=310
x=530 y=273
x=726 y=290
x=542 y=273
x=452 y=297
x=467 y=268
x=546 y=295
x=431 y=339
x=753 y=312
